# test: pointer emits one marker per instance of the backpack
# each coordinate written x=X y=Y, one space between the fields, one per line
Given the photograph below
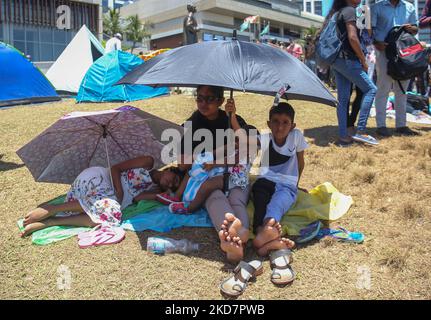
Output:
x=417 y=101
x=406 y=57
x=328 y=43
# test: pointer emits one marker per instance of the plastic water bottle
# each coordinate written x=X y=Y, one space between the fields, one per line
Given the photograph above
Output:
x=162 y=245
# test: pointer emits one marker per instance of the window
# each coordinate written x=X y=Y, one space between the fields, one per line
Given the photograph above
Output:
x=33 y=50
x=318 y=7
x=60 y=36
x=274 y=31
x=308 y=7
x=58 y=49
x=18 y=34
x=207 y=37
x=20 y=45
x=46 y=52
x=45 y=35
x=32 y=34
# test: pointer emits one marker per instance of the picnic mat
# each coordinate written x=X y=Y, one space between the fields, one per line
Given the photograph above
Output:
x=324 y=202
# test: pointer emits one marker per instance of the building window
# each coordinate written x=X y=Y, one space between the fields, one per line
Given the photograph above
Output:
x=20 y=45
x=32 y=34
x=45 y=35
x=46 y=52
x=58 y=49
x=33 y=51
x=18 y=34
x=274 y=31
x=308 y=7
x=60 y=36
x=318 y=7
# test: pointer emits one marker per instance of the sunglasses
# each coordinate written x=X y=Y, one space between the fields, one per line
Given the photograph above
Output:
x=207 y=99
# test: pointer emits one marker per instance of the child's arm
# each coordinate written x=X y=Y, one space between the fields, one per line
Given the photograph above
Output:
x=146 y=195
x=146 y=162
x=182 y=187
x=301 y=165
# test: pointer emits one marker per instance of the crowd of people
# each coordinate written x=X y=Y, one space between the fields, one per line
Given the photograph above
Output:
x=362 y=63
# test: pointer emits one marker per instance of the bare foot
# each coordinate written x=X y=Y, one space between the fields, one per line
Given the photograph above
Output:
x=282 y=243
x=232 y=228
x=32 y=227
x=270 y=231
x=234 y=249
x=36 y=215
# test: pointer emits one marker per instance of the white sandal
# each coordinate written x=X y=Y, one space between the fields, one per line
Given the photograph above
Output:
x=282 y=272
x=235 y=285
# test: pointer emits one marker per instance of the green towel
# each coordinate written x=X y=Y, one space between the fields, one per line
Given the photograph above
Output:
x=58 y=233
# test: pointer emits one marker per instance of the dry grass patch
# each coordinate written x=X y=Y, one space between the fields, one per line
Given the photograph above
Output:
x=408 y=146
x=411 y=211
x=396 y=259
x=386 y=182
x=364 y=176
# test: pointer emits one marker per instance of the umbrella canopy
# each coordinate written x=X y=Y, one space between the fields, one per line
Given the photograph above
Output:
x=233 y=64
x=81 y=140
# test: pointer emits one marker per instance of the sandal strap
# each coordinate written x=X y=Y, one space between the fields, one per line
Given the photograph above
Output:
x=284 y=253
x=247 y=267
x=277 y=275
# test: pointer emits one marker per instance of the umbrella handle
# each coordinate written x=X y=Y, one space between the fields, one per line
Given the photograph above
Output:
x=109 y=163
x=226 y=169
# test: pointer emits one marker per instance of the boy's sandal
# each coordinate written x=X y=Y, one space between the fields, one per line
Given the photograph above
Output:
x=282 y=273
x=235 y=285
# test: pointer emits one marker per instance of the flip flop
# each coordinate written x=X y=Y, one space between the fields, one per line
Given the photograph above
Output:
x=89 y=233
x=235 y=285
x=282 y=273
x=309 y=232
x=103 y=236
x=339 y=233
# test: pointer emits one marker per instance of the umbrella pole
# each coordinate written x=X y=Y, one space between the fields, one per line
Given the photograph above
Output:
x=226 y=169
x=105 y=134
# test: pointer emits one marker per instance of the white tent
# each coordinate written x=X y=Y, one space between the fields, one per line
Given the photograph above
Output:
x=68 y=71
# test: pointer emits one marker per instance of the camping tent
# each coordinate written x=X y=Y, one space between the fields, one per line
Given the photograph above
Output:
x=20 y=81
x=98 y=84
x=68 y=71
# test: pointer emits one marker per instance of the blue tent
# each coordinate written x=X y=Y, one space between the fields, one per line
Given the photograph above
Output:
x=98 y=83
x=20 y=81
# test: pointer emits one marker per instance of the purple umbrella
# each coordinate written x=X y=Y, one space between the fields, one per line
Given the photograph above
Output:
x=81 y=140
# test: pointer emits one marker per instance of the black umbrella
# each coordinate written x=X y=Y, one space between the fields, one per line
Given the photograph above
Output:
x=232 y=64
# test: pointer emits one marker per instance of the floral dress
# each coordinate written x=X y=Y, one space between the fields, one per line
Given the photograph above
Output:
x=95 y=193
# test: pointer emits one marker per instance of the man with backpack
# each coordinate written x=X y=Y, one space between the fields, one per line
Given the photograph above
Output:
x=385 y=15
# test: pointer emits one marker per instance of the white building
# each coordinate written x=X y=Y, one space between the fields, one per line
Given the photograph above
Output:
x=218 y=18
x=36 y=27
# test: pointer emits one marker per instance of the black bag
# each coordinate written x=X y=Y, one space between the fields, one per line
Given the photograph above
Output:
x=418 y=102
x=406 y=57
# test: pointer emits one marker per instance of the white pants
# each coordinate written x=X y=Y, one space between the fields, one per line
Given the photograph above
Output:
x=385 y=84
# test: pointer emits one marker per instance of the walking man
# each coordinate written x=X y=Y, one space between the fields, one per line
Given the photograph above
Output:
x=385 y=15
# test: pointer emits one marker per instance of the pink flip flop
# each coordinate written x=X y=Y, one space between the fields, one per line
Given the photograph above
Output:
x=89 y=233
x=103 y=236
